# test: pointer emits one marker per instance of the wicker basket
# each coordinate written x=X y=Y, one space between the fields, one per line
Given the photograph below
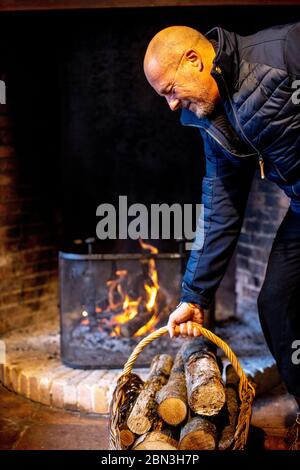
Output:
x=129 y=385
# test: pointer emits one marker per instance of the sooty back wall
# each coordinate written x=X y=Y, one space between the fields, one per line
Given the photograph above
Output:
x=113 y=135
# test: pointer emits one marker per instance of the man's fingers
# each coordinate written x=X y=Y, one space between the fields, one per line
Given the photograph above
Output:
x=171 y=329
x=196 y=331
x=190 y=328
x=183 y=329
x=183 y=319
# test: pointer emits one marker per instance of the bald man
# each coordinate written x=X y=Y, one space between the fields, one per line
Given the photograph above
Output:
x=241 y=93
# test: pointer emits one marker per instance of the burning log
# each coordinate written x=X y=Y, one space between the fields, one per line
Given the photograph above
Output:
x=144 y=412
x=205 y=388
x=136 y=286
x=165 y=439
x=116 y=289
x=172 y=398
x=232 y=409
x=200 y=433
x=142 y=317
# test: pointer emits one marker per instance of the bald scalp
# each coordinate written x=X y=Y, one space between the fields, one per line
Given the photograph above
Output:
x=168 y=45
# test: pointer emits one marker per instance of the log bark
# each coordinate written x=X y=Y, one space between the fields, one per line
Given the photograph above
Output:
x=231 y=411
x=172 y=398
x=198 y=434
x=205 y=388
x=232 y=379
x=164 y=439
x=127 y=437
x=144 y=411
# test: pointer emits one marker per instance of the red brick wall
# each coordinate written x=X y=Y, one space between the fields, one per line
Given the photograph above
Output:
x=28 y=247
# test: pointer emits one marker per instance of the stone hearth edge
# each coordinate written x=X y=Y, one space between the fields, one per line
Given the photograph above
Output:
x=34 y=370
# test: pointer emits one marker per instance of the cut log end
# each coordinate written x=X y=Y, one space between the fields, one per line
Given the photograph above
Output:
x=126 y=437
x=156 y=440
x=198 y=434
x=208 y=400
x=192 y=441
x=173 y=411
x=139 y=424
x=155 y=446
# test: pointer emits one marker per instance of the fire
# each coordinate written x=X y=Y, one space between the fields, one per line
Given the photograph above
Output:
x=153 y=250
x=152 y=292
x=116 y=331
x=153 y=289
x=131 y=298
x=148 y=328
x=85 y=320
x=130 y=310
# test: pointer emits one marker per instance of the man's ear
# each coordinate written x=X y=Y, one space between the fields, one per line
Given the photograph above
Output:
x=194 y=58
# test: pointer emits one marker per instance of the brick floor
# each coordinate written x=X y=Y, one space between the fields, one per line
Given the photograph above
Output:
x=272 y=414
x=28 y=425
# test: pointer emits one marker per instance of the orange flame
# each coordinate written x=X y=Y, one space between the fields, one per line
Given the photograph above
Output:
x=116 y=331
x=130 y=307
x=147 y=246
x=152 y=293
x=130 y=310
x=148 y=327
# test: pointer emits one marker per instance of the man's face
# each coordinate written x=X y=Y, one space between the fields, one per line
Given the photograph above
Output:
x=184 y=86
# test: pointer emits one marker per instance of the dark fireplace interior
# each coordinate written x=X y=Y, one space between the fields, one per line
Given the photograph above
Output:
x=80 y=128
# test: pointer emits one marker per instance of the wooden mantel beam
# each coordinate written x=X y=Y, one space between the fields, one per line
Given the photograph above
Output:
x=27 y=5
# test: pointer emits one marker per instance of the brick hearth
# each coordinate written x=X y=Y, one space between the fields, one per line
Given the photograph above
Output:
x=33 y=369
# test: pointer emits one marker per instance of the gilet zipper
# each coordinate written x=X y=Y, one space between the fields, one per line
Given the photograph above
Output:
x=219 y=141
x=260 y=158
x=222 y=145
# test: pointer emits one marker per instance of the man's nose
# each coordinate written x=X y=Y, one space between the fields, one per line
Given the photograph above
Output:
x=173 y=103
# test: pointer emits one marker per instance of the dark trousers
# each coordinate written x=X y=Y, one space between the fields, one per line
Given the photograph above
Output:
x=279 y=301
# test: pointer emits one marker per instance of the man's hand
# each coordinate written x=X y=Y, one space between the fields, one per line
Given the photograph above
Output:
x=185 y=320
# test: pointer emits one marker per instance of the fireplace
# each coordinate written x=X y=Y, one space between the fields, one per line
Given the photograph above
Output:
x=78 y=137
x=108 y=302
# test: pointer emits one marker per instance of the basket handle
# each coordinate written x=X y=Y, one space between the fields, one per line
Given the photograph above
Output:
x=243 y=384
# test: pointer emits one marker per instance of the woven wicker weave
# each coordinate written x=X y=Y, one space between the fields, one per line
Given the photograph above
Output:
x=129 y=385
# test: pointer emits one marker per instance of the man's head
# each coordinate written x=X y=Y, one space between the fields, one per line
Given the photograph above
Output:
x=177 y=65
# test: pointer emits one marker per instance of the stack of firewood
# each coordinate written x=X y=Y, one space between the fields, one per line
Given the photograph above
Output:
x=184 y=404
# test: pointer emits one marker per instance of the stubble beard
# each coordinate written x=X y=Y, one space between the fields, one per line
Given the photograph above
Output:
x=203 y=105
x=202 y=109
